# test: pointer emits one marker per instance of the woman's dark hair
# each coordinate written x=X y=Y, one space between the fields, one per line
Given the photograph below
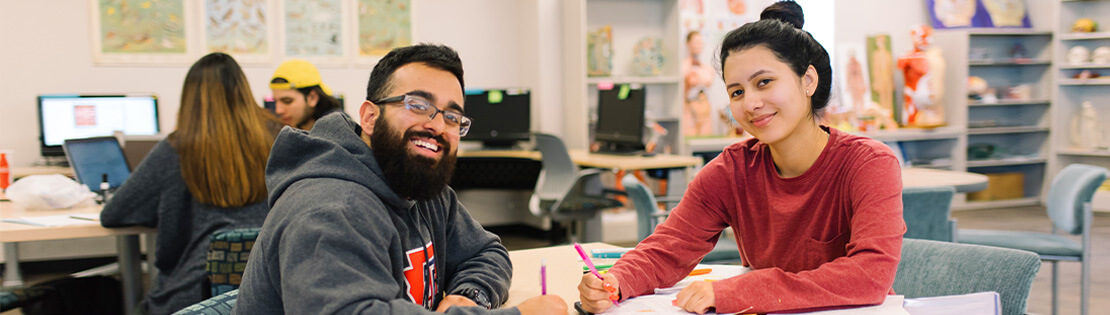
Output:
x=780 y=29
x=436 y=56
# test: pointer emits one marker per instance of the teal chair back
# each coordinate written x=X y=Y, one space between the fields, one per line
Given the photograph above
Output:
x=647 y=209
x=216 y=305
x=648 y=216
x=566 y=194
x=1071 y=189
x=927 y=212
x=931 y=268
x=228 y=252
x=1068 y=205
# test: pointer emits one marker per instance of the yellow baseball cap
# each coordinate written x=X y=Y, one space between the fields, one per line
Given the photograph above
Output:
x=298 y=73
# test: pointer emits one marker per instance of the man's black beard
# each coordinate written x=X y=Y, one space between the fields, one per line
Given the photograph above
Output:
x=409 y=175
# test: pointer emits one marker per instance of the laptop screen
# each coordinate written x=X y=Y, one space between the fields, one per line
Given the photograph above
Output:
x=92 y=158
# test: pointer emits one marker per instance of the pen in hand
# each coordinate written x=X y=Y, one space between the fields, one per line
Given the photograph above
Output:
x=589 y=263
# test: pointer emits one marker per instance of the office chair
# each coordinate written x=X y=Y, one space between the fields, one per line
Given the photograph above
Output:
x=565 y=193
x=228 y=251
x=1069 y=208
x=648 y=216
x=927 y=212
x=217 y=305
x=932 y=268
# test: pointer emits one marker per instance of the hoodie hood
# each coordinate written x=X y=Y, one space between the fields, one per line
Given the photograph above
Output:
x=332 y=149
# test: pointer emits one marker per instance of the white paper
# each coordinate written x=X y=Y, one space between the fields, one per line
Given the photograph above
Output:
x=968 y=304
x=50 y=220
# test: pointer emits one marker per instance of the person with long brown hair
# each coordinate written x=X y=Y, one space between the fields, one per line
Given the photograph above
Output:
x=207 y=175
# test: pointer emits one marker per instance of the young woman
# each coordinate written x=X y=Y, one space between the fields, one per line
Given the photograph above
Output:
x=206 y=176
x=817 y=213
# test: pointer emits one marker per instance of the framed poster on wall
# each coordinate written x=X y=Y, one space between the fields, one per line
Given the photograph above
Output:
x=244 y=29
x=313 y=30
x=978 y=13
x=130 y=32
x=382 y=26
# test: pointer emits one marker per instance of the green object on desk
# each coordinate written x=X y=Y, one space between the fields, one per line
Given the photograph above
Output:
x=599 y=268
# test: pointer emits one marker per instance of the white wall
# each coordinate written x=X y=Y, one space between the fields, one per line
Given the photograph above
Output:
x=46 y=49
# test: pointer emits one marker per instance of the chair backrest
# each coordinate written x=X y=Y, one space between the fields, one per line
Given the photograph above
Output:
x=931 y=268
x=645 y=204
x=559 y=171
x=228 y=251
x=926 y=211
x=1071 y=189
x=217 y=305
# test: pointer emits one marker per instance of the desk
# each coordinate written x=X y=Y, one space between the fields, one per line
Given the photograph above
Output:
x=564 y=271
x=18 y=172
x=963 y=181
x=127 y=243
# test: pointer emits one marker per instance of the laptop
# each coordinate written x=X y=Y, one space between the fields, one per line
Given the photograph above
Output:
x=93 y=159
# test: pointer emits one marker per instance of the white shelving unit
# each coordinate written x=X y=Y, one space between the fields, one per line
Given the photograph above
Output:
x=1018 y=130
x=1071 y=93
x=631 y=21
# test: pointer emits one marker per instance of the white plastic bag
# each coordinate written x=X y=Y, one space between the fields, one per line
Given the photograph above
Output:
x=52 y=191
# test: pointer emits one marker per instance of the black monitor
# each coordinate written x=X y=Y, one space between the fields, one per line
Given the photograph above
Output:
x=73 y=116
x=620 y=119
x=502 y=117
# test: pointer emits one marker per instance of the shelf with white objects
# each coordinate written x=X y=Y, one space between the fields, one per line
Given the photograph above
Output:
x=913 y=134
x=1081 y=152
x=1044 y=102
x=1085 y=36
x=629 y=22
x=992 y=63
x=1086 y=66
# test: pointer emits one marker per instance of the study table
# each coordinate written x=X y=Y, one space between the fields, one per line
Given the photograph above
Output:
x=964 y=182
x=127 y=243
x=564 y=271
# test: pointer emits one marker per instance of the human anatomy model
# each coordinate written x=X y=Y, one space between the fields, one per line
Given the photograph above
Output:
x=923 y=93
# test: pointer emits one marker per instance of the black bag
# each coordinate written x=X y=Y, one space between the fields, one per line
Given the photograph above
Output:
x=84 y=295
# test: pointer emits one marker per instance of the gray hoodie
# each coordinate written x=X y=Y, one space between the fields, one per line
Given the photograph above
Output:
x=339 y=240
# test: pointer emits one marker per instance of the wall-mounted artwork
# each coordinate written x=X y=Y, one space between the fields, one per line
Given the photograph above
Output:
x=139 y=32
x=383 y=25
x=314 y=30
x=978 y=13
x=241 y=28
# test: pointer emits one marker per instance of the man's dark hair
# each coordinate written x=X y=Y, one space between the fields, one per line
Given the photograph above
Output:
x=436 y=56
x=324 y=103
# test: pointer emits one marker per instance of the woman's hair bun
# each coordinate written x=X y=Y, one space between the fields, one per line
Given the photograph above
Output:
x=787 y=11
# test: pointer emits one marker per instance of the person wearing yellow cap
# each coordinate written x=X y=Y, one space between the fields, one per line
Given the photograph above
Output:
x=300 y=95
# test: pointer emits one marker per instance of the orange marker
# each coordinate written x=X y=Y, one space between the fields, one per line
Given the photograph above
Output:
x=700 y=271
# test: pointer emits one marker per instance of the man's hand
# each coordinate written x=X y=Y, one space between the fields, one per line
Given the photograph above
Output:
x=697 y=297
x=597 y=295
x=543 y=304
x=454 y=300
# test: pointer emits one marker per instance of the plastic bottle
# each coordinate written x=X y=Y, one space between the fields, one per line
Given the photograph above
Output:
x=104 y=186
x=5 y=172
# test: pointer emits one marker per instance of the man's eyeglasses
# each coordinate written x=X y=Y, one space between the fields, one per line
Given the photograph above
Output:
x=421 y=106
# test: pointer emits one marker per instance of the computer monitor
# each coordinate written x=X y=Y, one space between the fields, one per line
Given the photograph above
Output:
x=72 y=116
x=502 y=117
x=620 y=119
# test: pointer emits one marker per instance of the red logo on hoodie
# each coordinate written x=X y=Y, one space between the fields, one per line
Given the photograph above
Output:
x=415 y=277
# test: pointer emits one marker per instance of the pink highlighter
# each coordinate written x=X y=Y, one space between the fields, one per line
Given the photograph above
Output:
x=590 y=264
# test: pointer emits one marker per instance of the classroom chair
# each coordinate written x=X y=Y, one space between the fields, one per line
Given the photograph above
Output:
x=648 y=216
x=1069 y=208
x=931 y=268
x=569 y=195
x=927 y=212
x=217 y=305
x=228 y=251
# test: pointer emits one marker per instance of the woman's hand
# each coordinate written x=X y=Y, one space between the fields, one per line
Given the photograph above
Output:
x=697 y=297
x=597 y=295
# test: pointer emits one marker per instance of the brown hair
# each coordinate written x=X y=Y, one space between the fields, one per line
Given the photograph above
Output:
x=223 y=137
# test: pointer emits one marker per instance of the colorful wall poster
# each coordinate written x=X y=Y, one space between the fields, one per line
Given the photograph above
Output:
x=139 y=31
x=978 y=13
x=383 y=25
x=240 y=28
x=314 y=29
